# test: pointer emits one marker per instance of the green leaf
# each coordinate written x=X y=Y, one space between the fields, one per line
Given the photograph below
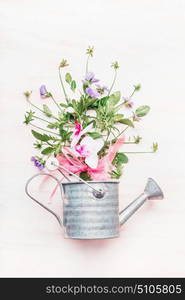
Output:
x=114 y=98
x=58 y=149
x=41 y=137
x=118 y=162
x=85 y=176
x=117 y=173
x=118 y=117
x=47 y=150
x=63 y=105
x=121 y=158
x=137 y=139
x=47 y=111
x=73 y=85
x=29 y=117
x=127 y=122
x=155 y=147
x=142 y=111
x=68 y=78
x=37 y=145
x=95 y=135
x=53 y=125
x=65 y=135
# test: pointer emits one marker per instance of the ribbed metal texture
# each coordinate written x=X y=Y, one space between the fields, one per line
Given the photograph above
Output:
x=88 y=217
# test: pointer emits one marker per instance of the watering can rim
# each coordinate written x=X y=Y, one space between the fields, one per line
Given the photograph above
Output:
x=101 y=181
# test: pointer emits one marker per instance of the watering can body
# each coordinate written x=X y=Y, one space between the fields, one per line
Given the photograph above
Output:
x=88 y=214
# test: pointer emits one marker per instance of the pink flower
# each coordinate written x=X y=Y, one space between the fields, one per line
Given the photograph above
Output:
x=89 y=149
x=78 y=132
x=82 y=150
x=78 y=128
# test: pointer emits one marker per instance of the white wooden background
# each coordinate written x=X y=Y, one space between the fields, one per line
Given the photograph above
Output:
x=147 y=38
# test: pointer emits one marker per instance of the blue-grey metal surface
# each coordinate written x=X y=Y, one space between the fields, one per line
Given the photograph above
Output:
x=91 y=211
x=86 y=216
x=152 y=191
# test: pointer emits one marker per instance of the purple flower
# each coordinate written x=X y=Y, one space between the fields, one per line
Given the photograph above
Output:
x=128 y=103
x=91 y=77
x=43 y=92
x=92 y=93
x=39 y=164
x=101 y=89
x=136 y=118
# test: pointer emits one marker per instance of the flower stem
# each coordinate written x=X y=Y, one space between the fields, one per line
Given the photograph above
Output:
x=40 y=128
x=107 y=135
x=132 y=94
x=42 y=119
x=115 y=75
x=87 y=64
x=56 y=102
x=122 y=131
x=40 y=109
x=63 y=86
x=140 y=152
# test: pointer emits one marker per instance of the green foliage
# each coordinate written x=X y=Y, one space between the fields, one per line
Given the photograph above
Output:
x=47 y=110
x=38 y=145
x=120 y=159
x=118 y=162
x=114 y=98
x=127 y=122
x=95 y=135
x=108 y=123
x=41 y=137
x=117 y=173
x=73 y=85
x=142 y=111
x=155 y=147
x=137 y=139
x=28 y=117
x=85 y=176
x=47 y=150
x=54 y=125
x=68 y=78
x=55 y=149
x=70 y=81
x=65 y=135
x=118 y=117
x=63 y=105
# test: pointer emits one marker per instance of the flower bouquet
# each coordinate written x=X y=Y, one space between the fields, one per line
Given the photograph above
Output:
x=84 y=139
x=86 y=134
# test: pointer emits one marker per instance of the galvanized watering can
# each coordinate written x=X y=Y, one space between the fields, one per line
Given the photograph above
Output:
x=91 y=208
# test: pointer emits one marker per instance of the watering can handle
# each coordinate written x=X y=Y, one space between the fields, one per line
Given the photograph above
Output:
x=48 y=209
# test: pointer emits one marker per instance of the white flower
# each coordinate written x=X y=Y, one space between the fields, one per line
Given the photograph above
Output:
x=89 y=148
x=78 y=132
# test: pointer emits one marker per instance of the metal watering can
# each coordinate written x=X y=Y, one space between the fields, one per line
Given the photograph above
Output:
x=91 y=208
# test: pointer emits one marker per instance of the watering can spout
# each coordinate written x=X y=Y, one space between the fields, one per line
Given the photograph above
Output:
x=152 y=191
